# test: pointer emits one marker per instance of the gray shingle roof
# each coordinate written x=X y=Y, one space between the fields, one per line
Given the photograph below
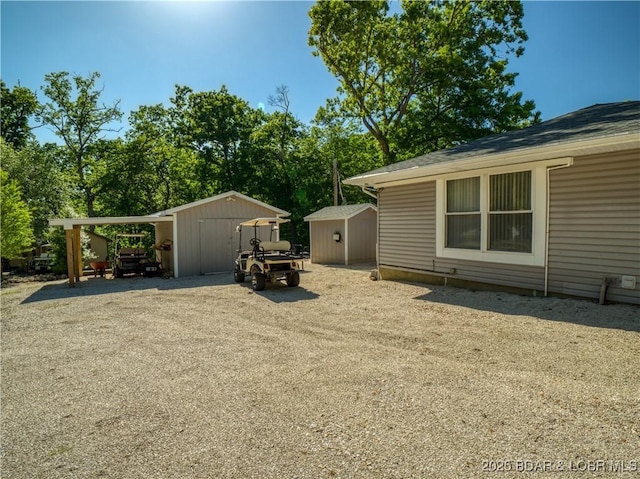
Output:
x=593 y=122
x=338 y=212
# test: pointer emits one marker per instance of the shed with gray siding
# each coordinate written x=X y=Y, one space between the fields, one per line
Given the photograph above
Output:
x=203 y=234
x=343 y=234
x=582 y=216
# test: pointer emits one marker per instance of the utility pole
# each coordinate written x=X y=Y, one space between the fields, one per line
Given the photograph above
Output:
x=335 y=182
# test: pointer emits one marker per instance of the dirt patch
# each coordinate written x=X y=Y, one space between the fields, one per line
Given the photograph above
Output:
x=341 y=377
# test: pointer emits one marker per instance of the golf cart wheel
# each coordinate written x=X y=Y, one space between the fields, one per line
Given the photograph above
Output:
x=293 y=279
x=117 y=272
x=238 y=276
x=258 y=281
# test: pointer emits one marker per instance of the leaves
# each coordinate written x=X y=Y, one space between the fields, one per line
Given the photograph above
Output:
x=16 y=234
x=412 y=77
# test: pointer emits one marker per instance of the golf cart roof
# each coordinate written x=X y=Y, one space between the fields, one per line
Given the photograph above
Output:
x=264 y=222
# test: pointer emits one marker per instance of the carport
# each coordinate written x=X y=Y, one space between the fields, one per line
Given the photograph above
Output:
x=200 y=237
x=72 y=227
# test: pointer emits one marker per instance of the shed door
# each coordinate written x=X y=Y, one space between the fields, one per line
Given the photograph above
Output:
x=217 y=248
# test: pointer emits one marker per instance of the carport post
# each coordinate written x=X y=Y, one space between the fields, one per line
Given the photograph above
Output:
x=74 y=254
x=77 y=250
x=69 y=236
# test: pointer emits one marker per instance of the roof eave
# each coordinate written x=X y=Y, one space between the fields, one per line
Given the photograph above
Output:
x=608 y=144
x=342 y=217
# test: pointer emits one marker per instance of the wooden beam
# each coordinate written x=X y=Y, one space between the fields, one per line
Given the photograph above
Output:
x=77 y=252
x=69 y=235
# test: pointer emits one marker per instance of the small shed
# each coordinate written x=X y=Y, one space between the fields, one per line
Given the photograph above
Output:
x=99 y=246
x=343 y=234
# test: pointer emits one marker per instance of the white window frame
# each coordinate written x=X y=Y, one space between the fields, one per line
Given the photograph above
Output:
x=538 y=204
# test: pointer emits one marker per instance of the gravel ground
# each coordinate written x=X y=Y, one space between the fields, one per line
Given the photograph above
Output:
x=342 y=377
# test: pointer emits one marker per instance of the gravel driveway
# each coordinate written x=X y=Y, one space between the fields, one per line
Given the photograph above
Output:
x=342 y=377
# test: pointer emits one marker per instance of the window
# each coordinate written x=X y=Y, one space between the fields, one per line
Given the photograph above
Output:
x=463 y=213
x=510 y=214
x=496 y=217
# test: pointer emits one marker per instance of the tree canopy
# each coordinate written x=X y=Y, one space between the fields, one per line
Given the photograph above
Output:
x=77 y=116
x=17 y=106
x=424 y=78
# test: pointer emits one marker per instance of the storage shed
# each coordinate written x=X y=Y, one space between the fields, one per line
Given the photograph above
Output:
x=202 y=236
x=343 y=234
x=99 y=246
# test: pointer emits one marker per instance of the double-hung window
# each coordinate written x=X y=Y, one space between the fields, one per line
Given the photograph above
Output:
x=494 y=216
x=510 y=215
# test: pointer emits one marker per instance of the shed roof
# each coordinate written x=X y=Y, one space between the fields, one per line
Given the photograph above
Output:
x=566 y=134
x=339 y=212
x=228 y=195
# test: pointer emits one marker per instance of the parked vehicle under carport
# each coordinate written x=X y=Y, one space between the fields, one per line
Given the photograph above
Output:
x=133 y=260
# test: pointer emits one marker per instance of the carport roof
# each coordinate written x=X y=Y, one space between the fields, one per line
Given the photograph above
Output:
x=69 y=223
x=343 y=212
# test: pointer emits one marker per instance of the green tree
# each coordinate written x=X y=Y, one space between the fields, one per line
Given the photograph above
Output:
x=17 y=106
x=217 y=126
x=44 y=187
x=431 y=66
x=152 y=139
x=77 y=116
x=16 y=234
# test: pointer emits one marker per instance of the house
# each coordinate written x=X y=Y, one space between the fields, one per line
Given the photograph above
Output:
x=343 y=234
x=550 y=209
x=192 y=239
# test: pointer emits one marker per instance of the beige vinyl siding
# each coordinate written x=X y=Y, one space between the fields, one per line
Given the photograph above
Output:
x=362 y=237
x=324 y=250
x=407 y=225
x=595 y=225
x=407 y=241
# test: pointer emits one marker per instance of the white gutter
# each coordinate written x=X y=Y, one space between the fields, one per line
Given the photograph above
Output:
x=546 y=233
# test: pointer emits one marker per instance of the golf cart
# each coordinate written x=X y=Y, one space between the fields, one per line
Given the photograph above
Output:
x=266 y=260
x=134 y=260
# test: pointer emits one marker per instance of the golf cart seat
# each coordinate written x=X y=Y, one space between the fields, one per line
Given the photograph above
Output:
x=132 y=252
x=280 y=246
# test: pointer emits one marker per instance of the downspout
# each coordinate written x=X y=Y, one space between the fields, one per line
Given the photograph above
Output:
x=546 y=233
x=176 y=244
x=375 y=275
x=373 y=195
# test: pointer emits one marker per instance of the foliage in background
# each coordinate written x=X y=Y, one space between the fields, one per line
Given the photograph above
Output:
x=17 y=106
x=45 y=189
x=76 y=115
x=421 y=77
x=16 y=233
x=425 y=78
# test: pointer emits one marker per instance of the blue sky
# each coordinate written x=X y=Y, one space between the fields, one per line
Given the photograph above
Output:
x=578 y=53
